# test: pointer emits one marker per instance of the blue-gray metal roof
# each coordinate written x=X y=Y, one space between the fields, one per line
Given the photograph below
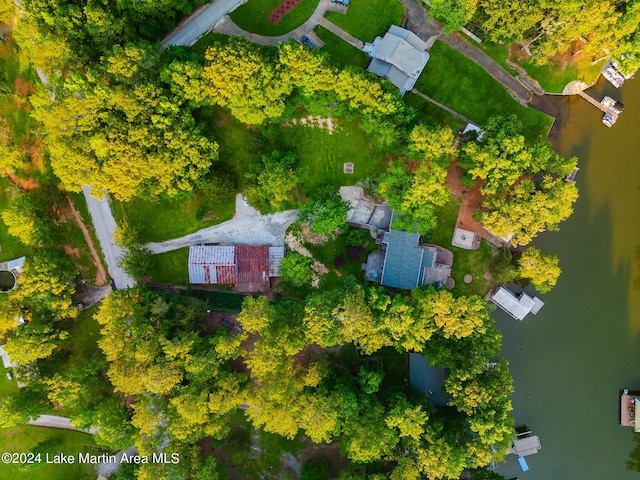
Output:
x=403 y=260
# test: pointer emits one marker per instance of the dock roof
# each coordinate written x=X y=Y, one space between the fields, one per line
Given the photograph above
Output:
x=518 y=308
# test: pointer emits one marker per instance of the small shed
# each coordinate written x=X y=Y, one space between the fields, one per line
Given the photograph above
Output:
x=276 y=254
x=465 y=239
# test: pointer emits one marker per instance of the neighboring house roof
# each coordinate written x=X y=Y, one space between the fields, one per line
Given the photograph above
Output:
x=428 y=380
x=212 y=264
x=400 y=56
x=405 y=261
x=253 y=263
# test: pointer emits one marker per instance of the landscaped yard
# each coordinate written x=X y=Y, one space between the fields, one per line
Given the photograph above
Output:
x=253 y=16
x=367 y=19
x=21 y=439
x=472 y=262
x=341 y=52
x=324 y=154
x=459 y=83
x=7 y=387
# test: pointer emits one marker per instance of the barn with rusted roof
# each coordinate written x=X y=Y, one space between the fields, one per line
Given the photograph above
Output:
x=248 y=267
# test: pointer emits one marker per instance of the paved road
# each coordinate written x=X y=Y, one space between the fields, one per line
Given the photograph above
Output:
x=200 y=22
x=247 y=227
x=105 y=226
x=53 y=421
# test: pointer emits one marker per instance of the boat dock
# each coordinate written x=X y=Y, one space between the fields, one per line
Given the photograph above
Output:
x=628 y=402
x=608 y=105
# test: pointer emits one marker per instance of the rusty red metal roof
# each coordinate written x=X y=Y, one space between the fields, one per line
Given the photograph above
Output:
x=253 y=263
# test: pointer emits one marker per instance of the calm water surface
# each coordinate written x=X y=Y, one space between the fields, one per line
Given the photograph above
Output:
x=585 y=343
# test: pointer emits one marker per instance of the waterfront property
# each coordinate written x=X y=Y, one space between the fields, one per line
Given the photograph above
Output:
x=404 y=262
x=518 y=306
x=525 y=443
x=399 y=57
x=249 y=267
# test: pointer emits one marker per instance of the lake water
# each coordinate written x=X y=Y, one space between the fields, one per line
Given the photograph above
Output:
x=584 y=345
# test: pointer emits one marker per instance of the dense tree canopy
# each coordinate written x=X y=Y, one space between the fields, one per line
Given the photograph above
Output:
x=416 y=188
x=325 y=212
x=119 y=128
x=271 y=182
x=524 y=187
x=548 y=27
x=541 y=268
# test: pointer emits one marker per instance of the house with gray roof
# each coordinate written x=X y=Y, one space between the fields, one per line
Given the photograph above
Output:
x=399 y=56
x=408 y=264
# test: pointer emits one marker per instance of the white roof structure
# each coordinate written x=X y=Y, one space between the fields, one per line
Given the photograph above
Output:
x=16 y=264
x=526 y=446
x=276 y=254
x=400 y=57
x=471 y=127
x=517 y=307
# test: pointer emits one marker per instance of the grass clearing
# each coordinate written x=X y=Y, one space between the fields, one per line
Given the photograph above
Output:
x=341 y=52
x=459 y=83
x=21 y=439
x=324 y=154
x=163 y=218
x=171 y=267
x=554 y=76
x=368 y=19
x=10 y=246
x=253 y=16
x=432 y=114
x=7 y=387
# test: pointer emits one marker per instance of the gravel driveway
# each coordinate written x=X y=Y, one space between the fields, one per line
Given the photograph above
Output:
x=105 y=226
x=247 y=227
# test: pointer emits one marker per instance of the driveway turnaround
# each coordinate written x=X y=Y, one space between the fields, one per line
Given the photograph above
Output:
x=248 y=227
x=105 y=226
x=201 y=22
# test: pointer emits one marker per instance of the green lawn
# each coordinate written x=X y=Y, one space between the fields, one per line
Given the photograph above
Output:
x=341 y=52
x=554 y=77
x=21 y=439
x=367 y=19
x=7 y=387
x=432 y=114
x=473 y=262
x=84 y=333
x=459 y=83
x=253 y=16
x=324 y=154
x=10 y=247
x=171 y=267
x=164 y=219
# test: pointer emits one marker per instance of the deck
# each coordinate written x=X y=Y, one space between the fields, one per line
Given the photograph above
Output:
x=627 y=408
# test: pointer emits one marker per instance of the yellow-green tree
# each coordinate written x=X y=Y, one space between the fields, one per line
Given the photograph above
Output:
x=541 y=268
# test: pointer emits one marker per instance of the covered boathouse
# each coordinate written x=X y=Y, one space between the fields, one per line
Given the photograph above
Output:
x=518 y=306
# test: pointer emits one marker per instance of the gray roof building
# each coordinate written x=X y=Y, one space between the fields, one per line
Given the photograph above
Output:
x=400 y=57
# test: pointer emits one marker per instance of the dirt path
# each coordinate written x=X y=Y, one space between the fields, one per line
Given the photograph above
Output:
x=101 y=275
